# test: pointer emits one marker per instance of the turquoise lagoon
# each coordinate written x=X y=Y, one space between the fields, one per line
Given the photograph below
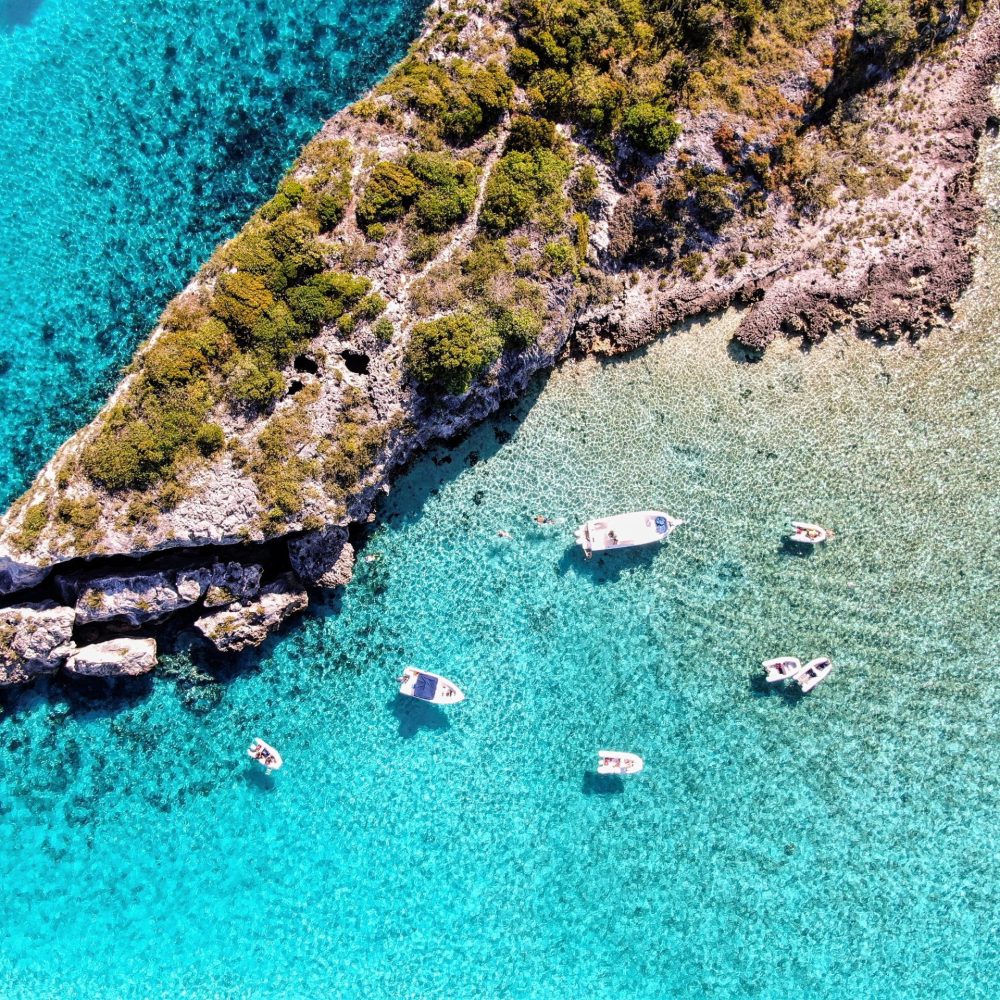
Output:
x=836 y=846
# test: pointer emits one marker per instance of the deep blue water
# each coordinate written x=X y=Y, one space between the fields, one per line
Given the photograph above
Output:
x=133 y=138
x=838 y=846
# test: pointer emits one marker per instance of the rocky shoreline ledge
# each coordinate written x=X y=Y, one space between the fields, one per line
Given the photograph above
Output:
x=473 y=219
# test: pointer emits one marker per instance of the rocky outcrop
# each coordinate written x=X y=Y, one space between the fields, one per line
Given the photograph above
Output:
x=123 y=657
x=323 y=558
x=134 y=600
x=243 y=625
x=35 y=639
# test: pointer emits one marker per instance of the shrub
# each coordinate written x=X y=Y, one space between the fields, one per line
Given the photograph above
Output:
x=886 y=25
x=528 y=134
x=560 y=258
x=448 y=190
x=517 y=186
x=583 y=186
x=82 y=514
x=209 y=439
x=519 y=327
x=459 y=100
x=451 y=351
x=384 y=330
x=714 y=198
x=36 y=517
x=651 y=129
x=370 y=307
x=388 y=193
x=254 y=383
x=240 y=300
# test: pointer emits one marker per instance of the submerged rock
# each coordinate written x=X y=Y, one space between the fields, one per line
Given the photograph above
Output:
x=324 y=558
x=124 y=657
x=35 y=639
x=242 y=625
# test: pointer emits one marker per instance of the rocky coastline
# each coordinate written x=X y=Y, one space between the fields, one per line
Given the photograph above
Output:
x=855 y=207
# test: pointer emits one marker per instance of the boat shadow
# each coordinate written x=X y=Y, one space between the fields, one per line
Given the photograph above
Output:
x=785 y=691
x=790 y=549
x=258 y=779
x=606 y=567
x=602 y=784
x=414 y=715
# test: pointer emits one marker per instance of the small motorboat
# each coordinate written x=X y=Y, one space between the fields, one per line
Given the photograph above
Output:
x=265 y=755
x=425 y=686
x=809 y=534
x=781 y=668
x=618 y=762
x=622 y=531
x=812 y=673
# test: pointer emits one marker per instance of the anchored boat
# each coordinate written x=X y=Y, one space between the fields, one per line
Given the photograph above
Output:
x=618 y=762
x=425 y=686
x=809 y=534
x=265 y=755
x=622 y=531
x=813 y=673
x=781 y=668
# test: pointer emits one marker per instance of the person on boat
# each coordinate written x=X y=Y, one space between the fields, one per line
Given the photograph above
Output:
x=612 y=537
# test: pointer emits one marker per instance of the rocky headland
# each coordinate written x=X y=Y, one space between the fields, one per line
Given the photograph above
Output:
x=529 y=182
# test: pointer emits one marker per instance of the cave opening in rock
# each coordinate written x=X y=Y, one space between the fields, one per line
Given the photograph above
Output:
x=304 y=363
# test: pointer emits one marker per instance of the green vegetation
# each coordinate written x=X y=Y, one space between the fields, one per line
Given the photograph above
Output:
x=439 y=189
x=354 y=445
x=524 y=187
x=457 y=100
x=35 y=520
x=451 y=351
x=227 y=343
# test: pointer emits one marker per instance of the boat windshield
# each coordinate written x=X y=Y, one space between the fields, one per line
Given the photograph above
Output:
x=425 y=687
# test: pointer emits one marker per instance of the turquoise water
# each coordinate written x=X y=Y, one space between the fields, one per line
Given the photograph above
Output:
x=133 y=138
x=837 y=846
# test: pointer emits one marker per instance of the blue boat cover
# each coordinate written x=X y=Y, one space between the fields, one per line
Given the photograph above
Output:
x=425 y=687
x=661 y=525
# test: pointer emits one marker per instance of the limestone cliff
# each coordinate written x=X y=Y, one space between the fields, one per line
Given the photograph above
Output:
x=526 y=182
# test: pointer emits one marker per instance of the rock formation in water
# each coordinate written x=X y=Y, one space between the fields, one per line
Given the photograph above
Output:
x=531 y=180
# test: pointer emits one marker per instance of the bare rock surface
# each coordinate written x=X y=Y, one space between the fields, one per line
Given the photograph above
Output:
x=133 y=600
x=35 y=639
x=324 y=558
x=124 y=657
x=247 y=624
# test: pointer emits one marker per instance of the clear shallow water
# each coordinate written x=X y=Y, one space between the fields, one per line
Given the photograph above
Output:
x=839 y=846
x=133 y=138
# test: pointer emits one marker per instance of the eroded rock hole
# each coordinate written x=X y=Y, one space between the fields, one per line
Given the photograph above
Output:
x=356 y=362
x=304 y=363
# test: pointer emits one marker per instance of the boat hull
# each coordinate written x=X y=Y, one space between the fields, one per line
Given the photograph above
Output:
x=432 y=688
x=781 y=668
x=625 y=531
x=618 y=762
x=805 y=533
x=265 y=755
x=813 y=673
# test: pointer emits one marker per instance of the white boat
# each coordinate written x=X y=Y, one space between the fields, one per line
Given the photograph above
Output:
x=781 y=668
x=622 y=531
x=618 y=762
x=812 y=673
x=808 y=534
x=425 y=686
x=265 y=755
